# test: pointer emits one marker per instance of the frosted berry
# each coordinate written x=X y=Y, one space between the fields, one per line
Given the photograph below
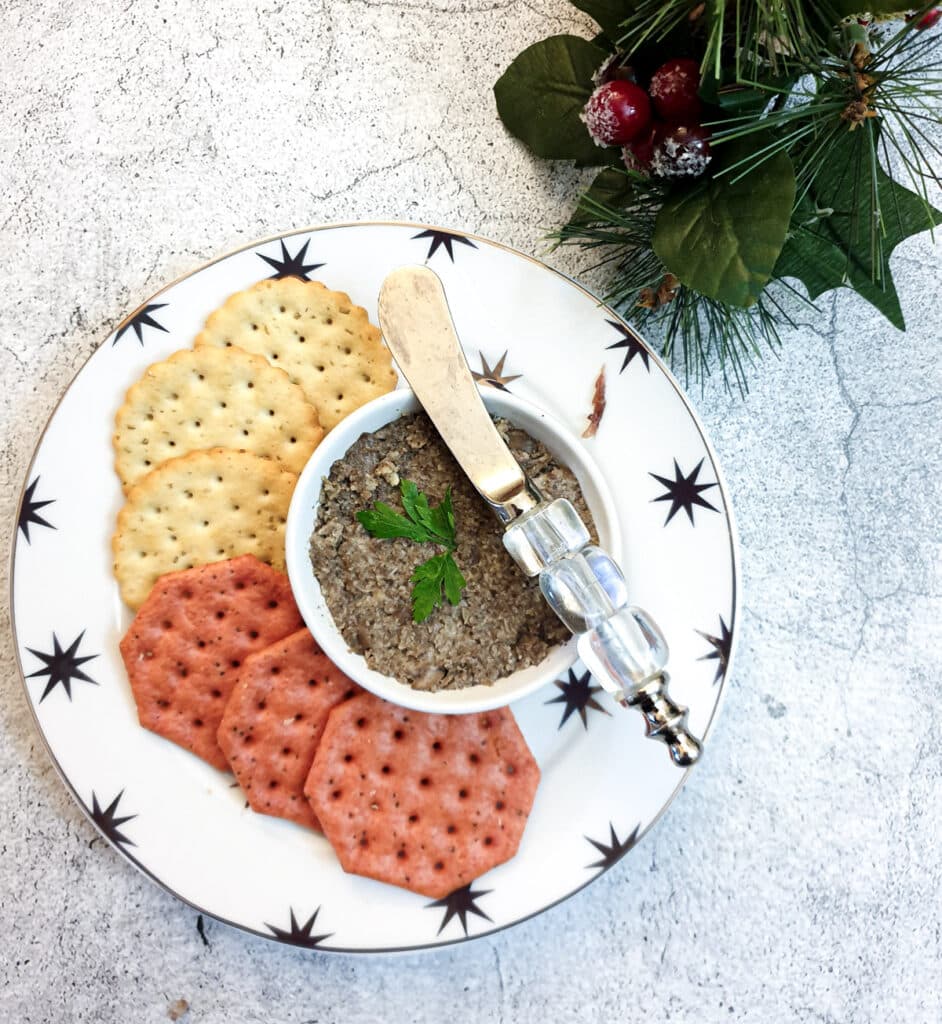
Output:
x=616 y=113
x=929 y=19
x=680 y=151
x=640 y=151
x=674 y=90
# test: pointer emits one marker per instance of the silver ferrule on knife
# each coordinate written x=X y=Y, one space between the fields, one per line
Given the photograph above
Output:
x=620 y=644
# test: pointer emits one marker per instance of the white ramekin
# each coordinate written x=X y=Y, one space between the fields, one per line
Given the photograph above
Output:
x=307 y=592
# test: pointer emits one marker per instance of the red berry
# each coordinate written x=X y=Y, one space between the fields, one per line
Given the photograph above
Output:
x=639 y=152
x=929 y=19
x=616 y=113
x=674 y=90
x=680 y=151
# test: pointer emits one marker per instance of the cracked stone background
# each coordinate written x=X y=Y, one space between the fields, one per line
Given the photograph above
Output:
x=799 y=875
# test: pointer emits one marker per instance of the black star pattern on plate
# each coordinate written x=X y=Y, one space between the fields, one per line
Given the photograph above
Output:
x=299 y=935
x=290 y=266
x=494 y=375
x=141 y=319
x=612 y=851
x=443 y=238
x=29 y=511
x=721 y=647
x=577 y=695
x=109 y=821
x=683 y=492
x=459 y=904
x=62 y=666
x=632 y=344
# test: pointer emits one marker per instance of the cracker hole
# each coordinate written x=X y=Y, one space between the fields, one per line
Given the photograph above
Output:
x=281 y=309
x=235 y=663
x=272 y=603
x=251 y=385
x=198 y=722
x=398 y=734
x=401 y=854
x=254 y=327
x=253 y=634
x=451 y=830
x=286 y=751
x=361 y=722
x=385 y=769
x=275 y=670
x=425 y=781
x=473 y=758
x=511 y=769
x=488 y=840
x=499 y=805
x=273 y=784
x=462 y=794
x=348 y=758
x=261 y=705
x=216 y=693
x=228 y=344
x=413 y=818
x=439 y=865
x=312 y=682
x=337 y=794
x=364 y=841
x=166 y=624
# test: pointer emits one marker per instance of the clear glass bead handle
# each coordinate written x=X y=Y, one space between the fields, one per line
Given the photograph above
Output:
x=620 y=644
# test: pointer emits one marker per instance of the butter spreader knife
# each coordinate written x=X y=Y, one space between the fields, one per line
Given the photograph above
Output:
x=620 y=644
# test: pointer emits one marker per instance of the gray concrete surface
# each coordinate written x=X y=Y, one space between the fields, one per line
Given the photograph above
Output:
x=799 y=876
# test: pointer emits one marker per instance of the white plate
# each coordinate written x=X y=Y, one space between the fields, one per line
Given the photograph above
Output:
x=604 y=784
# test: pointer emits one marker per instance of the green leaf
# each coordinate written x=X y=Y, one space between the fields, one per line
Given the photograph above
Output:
x=611 y=188
x=443 y=517
x=454 y=581
x=415 y=502
x=427 y=590
x=829 y=241
x=541 y=95
x=722 y=236
x=608 y=13
x=385 y=522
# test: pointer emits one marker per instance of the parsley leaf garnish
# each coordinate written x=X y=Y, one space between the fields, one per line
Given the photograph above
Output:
x=424 y=525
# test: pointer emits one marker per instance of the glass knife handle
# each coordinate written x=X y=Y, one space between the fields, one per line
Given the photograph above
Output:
x=620 y=644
